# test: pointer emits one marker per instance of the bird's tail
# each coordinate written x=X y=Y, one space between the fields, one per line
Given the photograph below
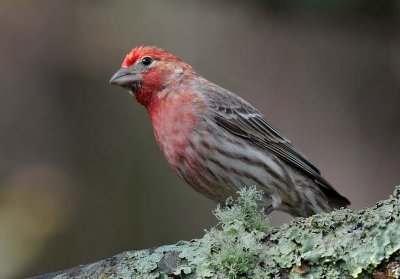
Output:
x=335 y=199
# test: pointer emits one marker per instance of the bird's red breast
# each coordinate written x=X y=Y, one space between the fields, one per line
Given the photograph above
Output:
x=174 y=119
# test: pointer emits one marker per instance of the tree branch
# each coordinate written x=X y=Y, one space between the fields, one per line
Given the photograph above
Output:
x=340 y=244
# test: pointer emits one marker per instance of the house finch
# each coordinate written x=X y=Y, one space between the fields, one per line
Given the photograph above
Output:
x=217 y=142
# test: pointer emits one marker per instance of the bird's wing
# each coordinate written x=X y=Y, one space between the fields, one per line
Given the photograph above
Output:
x=243 y=120
x=247 y=122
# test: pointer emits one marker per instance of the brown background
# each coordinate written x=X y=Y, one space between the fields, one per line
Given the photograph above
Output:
x=81 y=176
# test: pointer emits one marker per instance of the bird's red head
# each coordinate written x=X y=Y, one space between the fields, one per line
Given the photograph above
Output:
x=148 y=51
x=147 y=70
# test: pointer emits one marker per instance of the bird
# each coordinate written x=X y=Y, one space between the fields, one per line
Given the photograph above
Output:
x=219 y=143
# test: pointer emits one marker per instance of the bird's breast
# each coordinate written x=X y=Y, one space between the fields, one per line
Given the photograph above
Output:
x=174 y=121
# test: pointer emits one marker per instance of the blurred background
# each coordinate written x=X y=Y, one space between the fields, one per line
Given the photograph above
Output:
x=81 y=175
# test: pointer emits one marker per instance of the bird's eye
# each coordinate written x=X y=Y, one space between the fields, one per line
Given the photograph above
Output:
x=147 y=61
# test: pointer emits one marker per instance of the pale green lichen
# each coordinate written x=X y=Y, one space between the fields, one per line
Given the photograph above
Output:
x=243 y=246
x=343 y=241
x=236 y=249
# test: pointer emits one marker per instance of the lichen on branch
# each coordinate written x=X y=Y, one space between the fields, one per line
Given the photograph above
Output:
x=339 y=244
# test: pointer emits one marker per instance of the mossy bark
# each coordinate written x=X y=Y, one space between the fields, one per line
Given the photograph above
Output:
x=340 y=244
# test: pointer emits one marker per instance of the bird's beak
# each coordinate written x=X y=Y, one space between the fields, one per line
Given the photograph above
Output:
x=125 y=77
